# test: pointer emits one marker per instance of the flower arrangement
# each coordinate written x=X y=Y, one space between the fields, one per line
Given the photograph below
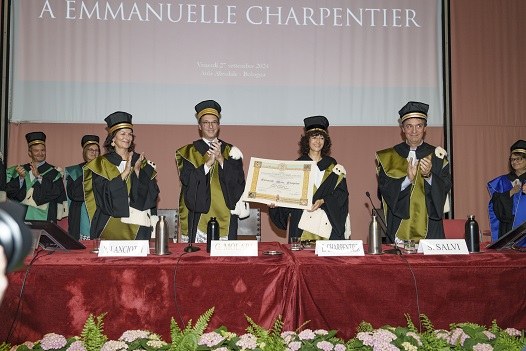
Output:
x=461 y=336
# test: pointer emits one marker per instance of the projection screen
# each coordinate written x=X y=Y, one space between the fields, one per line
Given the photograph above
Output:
x=266 y=62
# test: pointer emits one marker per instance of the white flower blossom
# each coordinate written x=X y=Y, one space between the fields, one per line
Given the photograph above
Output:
x=235 y=153
x=440 y=152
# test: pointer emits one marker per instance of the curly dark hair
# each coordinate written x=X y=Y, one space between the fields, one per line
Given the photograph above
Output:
x=519 y=154
x=304 y=143
x=110 y=148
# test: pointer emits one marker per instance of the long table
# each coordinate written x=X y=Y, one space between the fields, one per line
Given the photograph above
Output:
x=61 y=289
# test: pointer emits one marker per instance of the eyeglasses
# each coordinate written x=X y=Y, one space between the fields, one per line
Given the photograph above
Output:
x=209 y=123
x=516 y=159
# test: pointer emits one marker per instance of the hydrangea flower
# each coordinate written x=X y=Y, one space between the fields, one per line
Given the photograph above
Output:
x=76 y=346
x=53 y=341
x=132 y=335
x=247 y=341
x=114 y=345
x=306 y=334
x=210 y=339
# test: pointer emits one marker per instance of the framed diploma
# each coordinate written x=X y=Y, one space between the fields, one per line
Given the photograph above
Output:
x=284 y=183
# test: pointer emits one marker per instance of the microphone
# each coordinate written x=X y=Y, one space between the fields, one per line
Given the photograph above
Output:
x=396 y=250
x=193 y=227
x=376 y=211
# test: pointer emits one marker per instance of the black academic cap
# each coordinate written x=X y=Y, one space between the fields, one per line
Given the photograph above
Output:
x=316 y=123
x=118 y=120
x=207 y=107
x=413 y=109
x=518 y=146
x=34 y=138
x=89 y=139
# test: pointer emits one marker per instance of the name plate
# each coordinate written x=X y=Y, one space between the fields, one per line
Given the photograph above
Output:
x=339 y=248
x=443 y=247
x=124 y=248
x=234 y=248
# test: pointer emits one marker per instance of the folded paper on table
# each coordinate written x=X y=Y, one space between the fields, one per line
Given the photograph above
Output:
x=316 y=222
x=283 y=183
x=138 y=217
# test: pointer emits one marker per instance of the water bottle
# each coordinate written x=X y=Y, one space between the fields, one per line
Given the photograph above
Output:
x=472 y=234
x=212 y=232
x=161 y=237
x=375 y=237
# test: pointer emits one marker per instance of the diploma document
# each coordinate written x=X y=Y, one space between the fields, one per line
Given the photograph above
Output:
x=284 y=183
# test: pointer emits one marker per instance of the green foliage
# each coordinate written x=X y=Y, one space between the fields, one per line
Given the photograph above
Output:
x=364 y=327
x=429 y=338
x=270 y=340
x=92 y=334
x=410 y=325
x=459 y=337
x=428 y=326
x=187 y=339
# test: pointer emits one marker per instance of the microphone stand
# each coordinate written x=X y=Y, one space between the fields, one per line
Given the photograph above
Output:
x=396 y=249
x=193 y=227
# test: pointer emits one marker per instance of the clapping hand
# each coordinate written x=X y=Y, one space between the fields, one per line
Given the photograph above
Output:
x=425 y=166
x=34 y=169
x=137 y=166
x=411 y=169
x=21 y=171
x=127 y=169
x=517 y=186
x=214 y=154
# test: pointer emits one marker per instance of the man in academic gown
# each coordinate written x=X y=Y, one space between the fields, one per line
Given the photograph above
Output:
x=78 y=220
x=212 y=178
x=120 y=186
x=414 y=180
x=37 y=185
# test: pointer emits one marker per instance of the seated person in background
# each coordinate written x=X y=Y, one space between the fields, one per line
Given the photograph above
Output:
x=507 y=206
x=330 y=195
x=37 y=185
x=212 y=178
x=414 y=180
x=120 y=187
x=78 y=221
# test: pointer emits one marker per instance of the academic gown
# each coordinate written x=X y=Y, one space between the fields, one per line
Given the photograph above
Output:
x=400 y=204
x=78 y=220
x=505 y=212
x=209 y=195
x=109 y=198
x=50 y=191
x=2 y=175
x=333 y=190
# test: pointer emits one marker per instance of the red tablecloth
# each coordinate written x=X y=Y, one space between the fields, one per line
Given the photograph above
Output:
x=340 y=292
x=63 y=288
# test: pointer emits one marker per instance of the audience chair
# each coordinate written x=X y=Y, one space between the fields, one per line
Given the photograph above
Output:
x=172 y=219
x=250 y=228
x=454 y=228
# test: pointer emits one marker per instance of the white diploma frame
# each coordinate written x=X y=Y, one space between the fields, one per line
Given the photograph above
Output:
x=283 y=183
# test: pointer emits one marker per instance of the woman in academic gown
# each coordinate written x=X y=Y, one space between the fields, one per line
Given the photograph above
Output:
x=507 y=206
x=120 y=187
x=330 y=193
